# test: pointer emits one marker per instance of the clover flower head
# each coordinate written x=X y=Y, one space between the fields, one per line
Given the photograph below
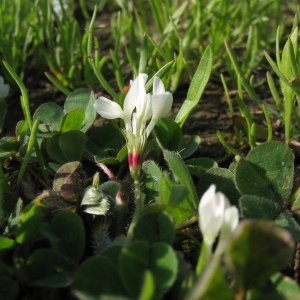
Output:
x=4 y=88
x=216 y=215
x=140 y=113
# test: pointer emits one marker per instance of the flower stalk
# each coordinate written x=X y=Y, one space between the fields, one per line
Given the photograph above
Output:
x=140 y=113
x=137 y=211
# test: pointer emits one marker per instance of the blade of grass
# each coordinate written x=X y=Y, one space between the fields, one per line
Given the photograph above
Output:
x=24 y=97
x=239 y=72
x=30 y=147
x=197 y=86
x=269 y=124
x=225 y=144
x=160 y=73
x=58 y=84
x=97 y=72
x=143 y=56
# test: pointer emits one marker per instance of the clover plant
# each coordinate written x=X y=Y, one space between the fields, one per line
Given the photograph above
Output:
x=106 y=197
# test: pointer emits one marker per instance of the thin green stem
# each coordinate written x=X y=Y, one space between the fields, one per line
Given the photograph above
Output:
x=137 y=212
x=187 y=222
x=58 y=84
x=26 y=110
x=229 y=100
x=84 y=10
x=41 y=161
x=24 y=97
x=31 y=143
x=203 y=258
x=269 y=124
x=225 y=144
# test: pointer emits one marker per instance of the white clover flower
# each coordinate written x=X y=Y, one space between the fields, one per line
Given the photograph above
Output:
x=161 y=103
x=4 y=88
x=216 y=215
x=138 y=108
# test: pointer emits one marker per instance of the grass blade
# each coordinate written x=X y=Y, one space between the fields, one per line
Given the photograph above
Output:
x=197 y=86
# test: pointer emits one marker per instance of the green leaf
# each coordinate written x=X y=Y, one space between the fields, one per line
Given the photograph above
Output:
x=9 y=144
x=270 y=168
x=163 y=265
x=50 y=115
x=152 y=169
x=169 y=134
x=110 y=188
x=287 y=222
x=152 y=175
x=29 y=223
x=253 y=260
x=122 y=154
x=148 y=286
x=98 y=277
x=189 y=146
x=155 y=227
x=278 y=288
x=197 y=86
x=6 y=244
x=113 y=253
x=175 y=198
x=72 y=120
x=255 y=207
x=66 y=147
x=5 y=270
x=48 y=268
x=84 y=99
x=9 y=288
x=177 y=213
x=284 y=284
x=159 y=259
x=182 y=174
x=134 y=257
x=198 y=166
x=105 y=142
x=249 y=181
x=224 y=181
x=288 y=60
x=69 y=228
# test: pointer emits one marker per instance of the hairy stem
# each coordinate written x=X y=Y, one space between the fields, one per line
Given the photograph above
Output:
x=137 y=212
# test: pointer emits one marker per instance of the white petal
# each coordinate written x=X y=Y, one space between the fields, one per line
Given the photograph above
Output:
x=231 y=218
x=161 y=105
x=142 y=100
x=148 y=108
x=108 y=109
x=211 y=212
x=230 y=222
x=158 y=86
x=133 y=122
x=137 y=87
